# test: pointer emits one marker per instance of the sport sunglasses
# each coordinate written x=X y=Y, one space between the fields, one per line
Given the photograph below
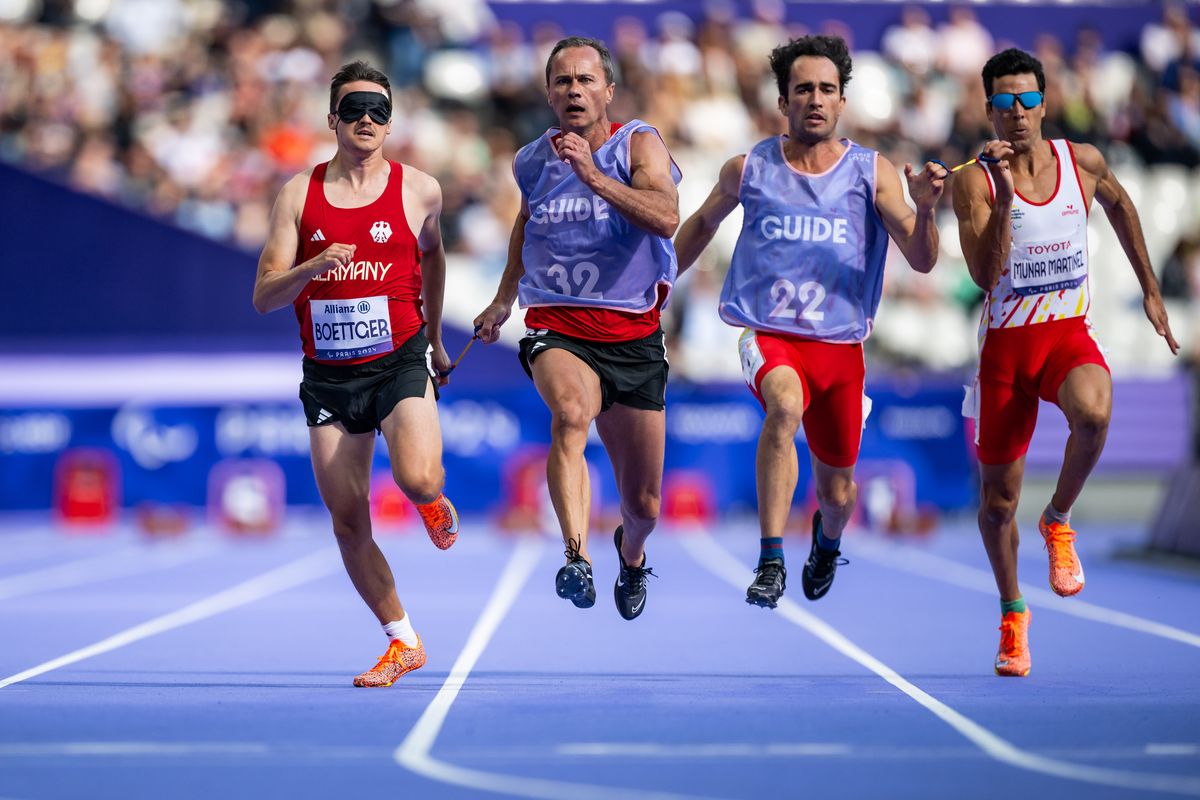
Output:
x=1003 y=101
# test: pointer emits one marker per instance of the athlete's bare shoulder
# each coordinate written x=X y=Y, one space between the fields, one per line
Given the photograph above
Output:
x=298 y=182
x=421 y=184
x=425 y=190
x=293 y=193
x=1089 y=158
x=647 y=138
x=730 y=177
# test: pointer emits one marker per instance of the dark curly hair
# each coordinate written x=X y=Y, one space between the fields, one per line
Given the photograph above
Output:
x=831 y=47
x=1012 y=62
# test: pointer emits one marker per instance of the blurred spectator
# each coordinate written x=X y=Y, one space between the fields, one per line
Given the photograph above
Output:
x=927 y=118
x=1180 y=277
x=1165 y=42
x=912 y=44
x=198 y=111
x=963 y=44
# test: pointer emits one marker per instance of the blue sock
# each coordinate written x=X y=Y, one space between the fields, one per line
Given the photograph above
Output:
x=828 y=545
x=771 y=548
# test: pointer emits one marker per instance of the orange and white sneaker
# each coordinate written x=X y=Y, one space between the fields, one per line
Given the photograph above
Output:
x=399 y=659
x=1066 y=573
x=1012 y=659
x=441 y=522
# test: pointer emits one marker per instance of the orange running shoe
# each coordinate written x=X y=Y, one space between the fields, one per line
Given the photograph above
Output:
x=1012 y=659
x=441 y=522
x=399 y=659
x=1066 y=573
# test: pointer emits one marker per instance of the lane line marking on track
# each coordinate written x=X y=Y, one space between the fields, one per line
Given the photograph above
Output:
x=123 y=563
x=414 y=752
x=1172 y=749
x=733 y=750
x=940 y=568
x=721 y=563
x=965 y=751
x=288 y=576
x=312 y=754
x=122 y=749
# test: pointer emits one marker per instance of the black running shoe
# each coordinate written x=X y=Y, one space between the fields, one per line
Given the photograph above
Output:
x=821 y=566
x=630 y=588
x=574 y=579
x=769 y=582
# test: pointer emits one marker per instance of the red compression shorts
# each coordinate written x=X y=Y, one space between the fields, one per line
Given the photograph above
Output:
x=1016 y=367
x=831 y=377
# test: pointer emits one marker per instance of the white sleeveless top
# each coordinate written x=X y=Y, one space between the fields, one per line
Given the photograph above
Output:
x=1046 y=275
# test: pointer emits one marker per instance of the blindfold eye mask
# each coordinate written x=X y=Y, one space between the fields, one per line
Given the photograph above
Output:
x=373 y=104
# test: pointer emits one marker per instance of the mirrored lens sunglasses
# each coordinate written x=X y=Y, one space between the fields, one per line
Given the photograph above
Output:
x=1003 y=101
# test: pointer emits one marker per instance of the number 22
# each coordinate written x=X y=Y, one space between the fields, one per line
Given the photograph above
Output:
x=811 y=293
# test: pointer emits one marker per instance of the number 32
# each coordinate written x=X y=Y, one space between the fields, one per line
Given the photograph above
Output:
x=584 y=275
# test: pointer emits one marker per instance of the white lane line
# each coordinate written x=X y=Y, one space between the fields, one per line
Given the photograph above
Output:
x=733 y=750
x=310 y=754
x=414 y=752
x=940 y=568
x=130 y=561
x=718 y=561
x=863 y=753
x=122 y=749
x=1172 y=749
x=295 y=573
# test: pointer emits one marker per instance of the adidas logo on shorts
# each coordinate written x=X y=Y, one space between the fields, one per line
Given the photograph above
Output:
x=318 y=236
x=322 y=416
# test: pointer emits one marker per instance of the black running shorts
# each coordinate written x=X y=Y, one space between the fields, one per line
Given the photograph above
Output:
x=360 y=395
x=631 y=373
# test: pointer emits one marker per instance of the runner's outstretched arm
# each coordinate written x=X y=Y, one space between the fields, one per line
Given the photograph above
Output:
x=491 y=318
x=1119 y=209
x=695 y=234
x=915 y=233
x=433 y=268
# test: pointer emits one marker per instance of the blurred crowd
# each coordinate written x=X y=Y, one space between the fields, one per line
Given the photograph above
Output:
x=197 y=111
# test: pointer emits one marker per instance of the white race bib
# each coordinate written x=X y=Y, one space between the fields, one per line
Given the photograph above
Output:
x=1041 y=267
x=351 y=328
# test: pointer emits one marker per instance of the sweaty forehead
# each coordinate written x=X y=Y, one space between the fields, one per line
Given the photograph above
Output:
x=813 y=69
x=359 y=86
x=1022 y=82
x=576 y=61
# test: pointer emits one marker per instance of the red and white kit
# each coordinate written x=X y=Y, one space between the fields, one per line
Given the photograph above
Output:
x=1035 y=327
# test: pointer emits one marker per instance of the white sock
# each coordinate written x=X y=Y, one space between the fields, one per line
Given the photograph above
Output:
x=402 y=629
x=1053 y=515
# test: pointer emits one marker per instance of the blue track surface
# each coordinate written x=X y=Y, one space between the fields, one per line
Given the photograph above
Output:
x=703 y=696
